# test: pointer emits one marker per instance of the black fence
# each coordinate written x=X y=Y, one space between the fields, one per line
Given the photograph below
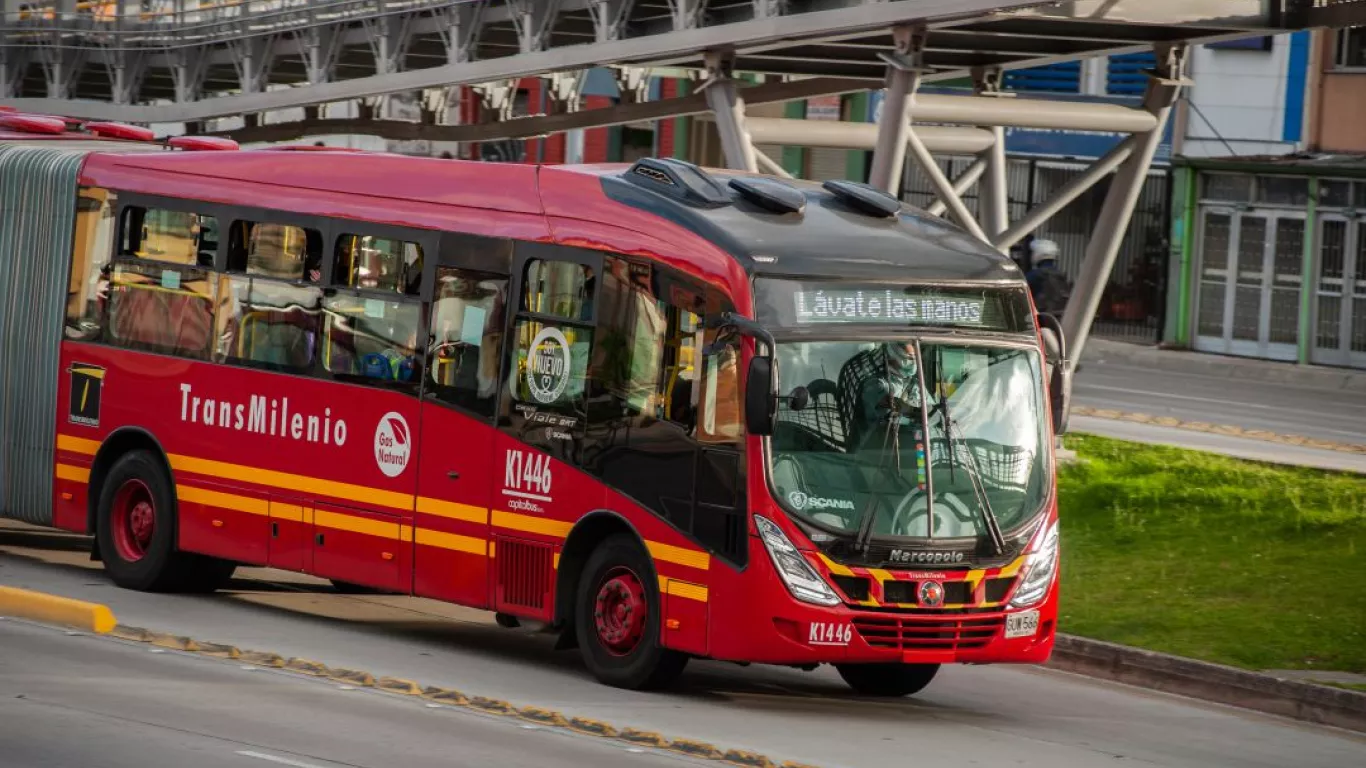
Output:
x=1134 y=303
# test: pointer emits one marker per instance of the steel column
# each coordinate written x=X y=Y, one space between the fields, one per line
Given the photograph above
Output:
x=1110 y=228
x=728 y=106
x=903 y=80
x=994 y=203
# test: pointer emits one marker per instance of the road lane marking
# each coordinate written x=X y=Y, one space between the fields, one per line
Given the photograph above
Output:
x=277 y=759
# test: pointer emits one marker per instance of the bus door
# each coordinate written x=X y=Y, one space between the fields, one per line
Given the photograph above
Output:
x=539 y=487
x=468 y=323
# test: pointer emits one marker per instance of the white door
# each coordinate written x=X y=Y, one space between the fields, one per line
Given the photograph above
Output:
x=1251 y=276
x=1340 y=293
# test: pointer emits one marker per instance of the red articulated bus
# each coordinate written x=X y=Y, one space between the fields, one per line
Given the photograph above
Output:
x=663 y=411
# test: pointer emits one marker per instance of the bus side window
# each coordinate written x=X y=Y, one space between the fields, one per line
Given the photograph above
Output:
x=370 y=325
x=88 y=290
x=173 y=237
x=467 y=339
x=718 y=420
x=270 y=311
x=641 y=418
x=161 y=308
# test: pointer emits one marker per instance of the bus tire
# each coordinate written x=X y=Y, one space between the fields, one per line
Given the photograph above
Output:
x=135 y=525
x=887 y=679
x=617 y=617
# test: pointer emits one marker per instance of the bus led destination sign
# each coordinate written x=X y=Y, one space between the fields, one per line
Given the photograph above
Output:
x=887 y=306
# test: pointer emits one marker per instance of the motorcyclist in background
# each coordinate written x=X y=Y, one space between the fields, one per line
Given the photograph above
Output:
x=1047 y=283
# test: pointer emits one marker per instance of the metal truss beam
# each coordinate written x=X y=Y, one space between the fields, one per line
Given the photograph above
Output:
x=835 y=134
x=529 y=127
x=1118 y=208
x=962 y=184
x=994 y=200
x=646 y=49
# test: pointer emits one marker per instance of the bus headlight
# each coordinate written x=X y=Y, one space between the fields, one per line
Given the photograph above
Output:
x=801 y=579
x=1039 y=569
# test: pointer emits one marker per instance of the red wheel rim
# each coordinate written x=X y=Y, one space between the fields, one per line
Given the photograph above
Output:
x=620 y=611
x=134 y=520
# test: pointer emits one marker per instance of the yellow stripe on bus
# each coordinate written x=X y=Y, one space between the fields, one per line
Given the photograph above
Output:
x=291 y=482
x=684 y=589
x=77 y=445
x=528 y=524
x=452 y=510
x=557 y=529
x=223 y=500
x=73 y=473
x=452 y=541
x=690 y=558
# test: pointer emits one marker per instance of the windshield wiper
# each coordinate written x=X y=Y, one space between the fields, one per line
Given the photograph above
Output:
x=998 y=541
x=864 y=538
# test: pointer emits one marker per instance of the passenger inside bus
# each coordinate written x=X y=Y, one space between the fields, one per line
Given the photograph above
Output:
x=276 y=307
x=372 y=328
x=467 y=323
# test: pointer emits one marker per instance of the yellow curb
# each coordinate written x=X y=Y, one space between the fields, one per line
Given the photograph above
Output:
x=307 y=667
x=648 y=738
x=543 y=716
x=696 y=749
x=136 y=634
x=592 y=727
x=398 y=685
x=174 y=643
x=273 y=660
x=445 y=696
x=52 y=609
x=354 y=677
x=220 y=651
x=743 y=757
x=494 y=706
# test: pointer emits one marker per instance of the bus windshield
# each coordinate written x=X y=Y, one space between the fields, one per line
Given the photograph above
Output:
x=869 y=433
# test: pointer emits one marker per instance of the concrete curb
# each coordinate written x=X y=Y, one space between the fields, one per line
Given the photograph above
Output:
x=53 y=609
x=1321 y=704
x=1207 y=364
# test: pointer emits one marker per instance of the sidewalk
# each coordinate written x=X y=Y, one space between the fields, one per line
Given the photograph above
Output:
x=1241 y=368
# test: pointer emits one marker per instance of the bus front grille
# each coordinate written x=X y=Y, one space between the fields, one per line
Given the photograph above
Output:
x=929 y=633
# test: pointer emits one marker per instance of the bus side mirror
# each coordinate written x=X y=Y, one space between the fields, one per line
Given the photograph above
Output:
x=1059 y=371
x=761 y=406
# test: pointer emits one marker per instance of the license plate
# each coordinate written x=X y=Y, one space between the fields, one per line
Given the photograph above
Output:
x=1025 y=624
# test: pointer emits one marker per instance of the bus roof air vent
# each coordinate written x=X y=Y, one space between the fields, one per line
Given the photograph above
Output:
x=678 y=179
x=769 y=194
x=202 y=143
x=25 y=123
x=865 y=198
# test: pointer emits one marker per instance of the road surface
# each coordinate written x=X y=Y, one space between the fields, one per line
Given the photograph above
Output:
x=1286 y=408
x=76 y=700
x=1021 y=716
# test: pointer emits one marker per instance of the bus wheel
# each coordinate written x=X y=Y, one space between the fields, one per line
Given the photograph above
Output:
x=616 y=619
x=135 y=528
x=887 y=679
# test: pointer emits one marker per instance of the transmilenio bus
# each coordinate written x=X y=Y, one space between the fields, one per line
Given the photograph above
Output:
x=663 y=411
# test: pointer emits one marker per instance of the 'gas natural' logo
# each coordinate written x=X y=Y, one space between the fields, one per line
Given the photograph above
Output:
x=393 y=444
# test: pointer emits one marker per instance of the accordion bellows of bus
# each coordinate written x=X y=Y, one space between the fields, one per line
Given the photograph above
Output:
x=662 y=411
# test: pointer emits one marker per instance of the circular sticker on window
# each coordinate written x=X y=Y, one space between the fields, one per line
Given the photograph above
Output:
x=548 y=365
